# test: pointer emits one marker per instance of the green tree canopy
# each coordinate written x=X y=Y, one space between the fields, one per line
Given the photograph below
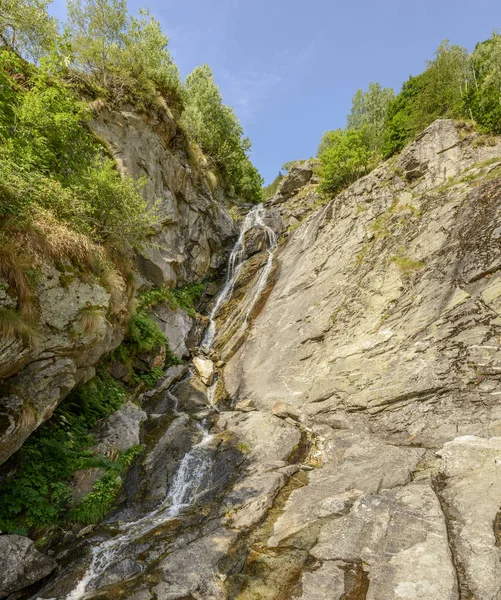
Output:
x=369 y=111
x=215 y=127
x=26 y=27
x=344 y=159
x=127 y=56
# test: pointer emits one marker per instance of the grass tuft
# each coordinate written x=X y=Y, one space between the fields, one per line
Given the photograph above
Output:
x=13 y=324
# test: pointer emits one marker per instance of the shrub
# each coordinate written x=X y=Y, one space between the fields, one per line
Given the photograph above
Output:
x=345 y=159
x=39 y=491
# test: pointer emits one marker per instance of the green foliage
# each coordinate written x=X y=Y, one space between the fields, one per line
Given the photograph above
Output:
x=441 y=91
x=454 y=85
x=345 y=158
x=406 y=265
x=126 y=56
x=143 y=334
x=39 y=491
x=150 y=378
x=270 y=190
x=26 y=27
x=483 y=96
x=214 y=126
x=99 y=501
x=185 y=297
x=50 y=161
x=368 y=113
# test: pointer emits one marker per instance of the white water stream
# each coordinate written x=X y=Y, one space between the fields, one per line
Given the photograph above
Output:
x=254 y=218
x=192 y=479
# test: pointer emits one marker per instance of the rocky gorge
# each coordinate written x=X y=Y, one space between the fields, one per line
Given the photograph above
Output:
x=335 y=429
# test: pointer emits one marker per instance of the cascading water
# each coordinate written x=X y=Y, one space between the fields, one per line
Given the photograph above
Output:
x=254 y=218
x=191 y=480
x=193 y=477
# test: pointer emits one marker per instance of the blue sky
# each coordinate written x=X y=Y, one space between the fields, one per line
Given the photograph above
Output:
x=290 y=67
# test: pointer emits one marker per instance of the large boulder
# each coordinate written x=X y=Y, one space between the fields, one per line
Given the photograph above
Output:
x=176 y=324
x=22 y=564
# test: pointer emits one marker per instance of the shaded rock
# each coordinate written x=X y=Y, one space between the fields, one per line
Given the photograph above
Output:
x=120 y=431
x=22 y=564
x=150 y=360
x=83 y=482
x=176 y=325
x=118 y=370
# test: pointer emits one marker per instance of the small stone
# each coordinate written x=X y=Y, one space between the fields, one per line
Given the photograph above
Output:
x=245 y=405
x=306 y=468
x=205 y=369
x=283 y=411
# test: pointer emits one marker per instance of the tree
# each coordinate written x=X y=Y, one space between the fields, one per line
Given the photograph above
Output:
x=440 y=91
x=270 y=190
x=26 y=27
x=483 y=101
x=344 y=159
x=369 y=110
x=98 y=29
x=215 y=127
x=127 y=56
x=446 y=82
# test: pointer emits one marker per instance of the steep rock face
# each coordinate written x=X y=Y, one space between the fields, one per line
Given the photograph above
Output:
x=196 y=227
x=192 y=243
x=385 y=322
x=40 y=374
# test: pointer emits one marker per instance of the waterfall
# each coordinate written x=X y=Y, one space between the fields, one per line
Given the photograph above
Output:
x=254 y=218
x=193 y=477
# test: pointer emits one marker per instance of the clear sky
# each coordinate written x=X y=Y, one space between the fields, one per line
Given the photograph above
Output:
x=291 y=67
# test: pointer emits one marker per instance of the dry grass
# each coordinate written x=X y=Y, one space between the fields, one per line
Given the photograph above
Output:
x=91 y=320
x=14 y=266
x=50 y=239
x=13 y=324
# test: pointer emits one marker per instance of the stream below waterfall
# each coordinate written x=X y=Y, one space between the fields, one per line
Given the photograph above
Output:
x=194 y=476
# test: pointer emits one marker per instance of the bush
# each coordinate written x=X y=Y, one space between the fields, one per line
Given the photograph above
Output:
x=49 y=160
x=185 y=297
x=345 y=158
x=39 y=492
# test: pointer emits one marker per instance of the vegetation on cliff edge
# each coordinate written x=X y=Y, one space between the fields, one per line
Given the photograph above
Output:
x=455 y=84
